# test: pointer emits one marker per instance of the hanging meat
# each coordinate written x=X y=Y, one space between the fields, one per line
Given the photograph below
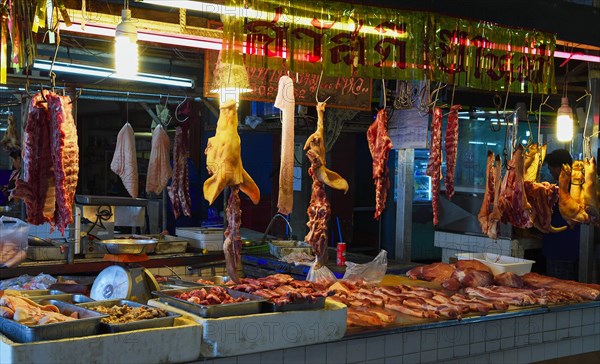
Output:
x=542 y=197
x=124 y=162
x=318 y=207
x=570 y=210
x=590 y=199
x=36 y=185
x=50 y=161
x=434 y=166
x=286 y=103
x=451 y=149
x=577 y=180
x=534 y=157
x=179 y=191
x=65 y=157
x=488 y=197
x=10 y=141
x=224 y=164
x=496 y=215
x=159 y=167
x=380 y=145
x=515 y=208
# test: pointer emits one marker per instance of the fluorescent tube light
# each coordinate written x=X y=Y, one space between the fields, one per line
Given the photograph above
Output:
x=109 y=73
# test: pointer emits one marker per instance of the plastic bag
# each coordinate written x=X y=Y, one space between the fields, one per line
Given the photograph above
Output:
x=13 y=241
x=371 y=272
x=320 y=275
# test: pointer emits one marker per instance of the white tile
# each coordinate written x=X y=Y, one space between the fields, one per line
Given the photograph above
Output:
x=492 y=345
x=507 y=327
x=549 y=336
x=375 y=347
x=496 y=358
x=562 y=319
x=537 y=352
x=428 y=356
x=587 y=316
x=575 y=318
x=411 y=358
x=230 y=360
x=274 y=357
x=522 y=325
x=524 y=354
x=462 y=334
x=536 y=324
x=576 y=346
x=535 y=338
x=587 y=330
x=507 y=343
x=429 y=339
x=563 y=348
x=575 y=332
x=597 y=315
x=253 y=359
x=562 y=334
x=376 y=361
x=549 y=321
x=477 y=332
x=521 y=340
x=316 y=353
x=510 y=356
x=597 y=342
x=393 y=345
x=336 y=352
x=296 y=355
x=412 y=342
x=394 y=360
x=447 y=336
x=588 y=344
x=445 y=353
x=477 y=348
x=461 y=350
x=356 y=351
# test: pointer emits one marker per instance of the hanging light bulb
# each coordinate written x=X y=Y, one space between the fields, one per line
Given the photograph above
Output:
x=126 y=49
x=564 y=121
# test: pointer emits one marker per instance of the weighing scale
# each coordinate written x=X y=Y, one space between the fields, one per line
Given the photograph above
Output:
x=126 y=279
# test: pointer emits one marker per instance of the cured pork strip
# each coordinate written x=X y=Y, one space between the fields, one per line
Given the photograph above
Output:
x=318 y=207
x=515 y=208
x=179 y=192
x=488 y=198
x=380 y=145
x=588 y=292
x=36 y=185
x=435 y=162
x=496 y=215
x=224 y=164
x=65 y=157
x=451 y=149
x=124 y=162
x=159 y=166
x=285 y=102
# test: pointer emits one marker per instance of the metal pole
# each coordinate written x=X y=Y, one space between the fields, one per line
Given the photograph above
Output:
x=404 y=188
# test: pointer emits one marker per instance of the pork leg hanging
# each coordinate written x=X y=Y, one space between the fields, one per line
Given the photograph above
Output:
x=286 y=103
x=435 y=162
x=451 y=149
x=380 y=145
x=318 y=208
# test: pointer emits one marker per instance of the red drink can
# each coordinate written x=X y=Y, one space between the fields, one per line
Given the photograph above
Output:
x=341 y=254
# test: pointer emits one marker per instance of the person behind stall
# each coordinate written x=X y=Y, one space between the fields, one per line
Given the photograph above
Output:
x=561 y=250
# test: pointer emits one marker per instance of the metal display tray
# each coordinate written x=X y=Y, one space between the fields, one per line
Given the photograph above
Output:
x=213 y=311
x=87 y=324
x=110 y=200
x=319 y=304
x=39 y=292
x=191 y=281
x=134 y=325
x=72 y=298
x=129 y=246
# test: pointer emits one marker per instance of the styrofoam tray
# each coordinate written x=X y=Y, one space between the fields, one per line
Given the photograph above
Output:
x=500 y=263
x=237 y=335
x=202 y=238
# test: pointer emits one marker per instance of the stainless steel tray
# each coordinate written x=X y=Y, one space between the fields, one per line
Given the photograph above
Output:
x=110 y=200
x=319 y=304
x=213 y=311
x=87 y=324
x=134 y=325
x=39 y=292
x=129 y=246
x=189 y=281
x=65 y=297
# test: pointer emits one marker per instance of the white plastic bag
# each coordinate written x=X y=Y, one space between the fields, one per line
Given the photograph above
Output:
x=371 y=272
x=322 y=275
x=13 y=241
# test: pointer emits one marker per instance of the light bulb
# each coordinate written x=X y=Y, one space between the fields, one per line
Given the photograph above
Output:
x=564 y=121
x=126 y=49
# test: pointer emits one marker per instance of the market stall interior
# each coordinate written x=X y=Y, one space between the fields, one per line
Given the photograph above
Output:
x=226 y=162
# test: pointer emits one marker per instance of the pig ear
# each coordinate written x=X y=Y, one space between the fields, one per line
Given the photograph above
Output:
x=249 y=187
x=213 y=186
x=332 y=179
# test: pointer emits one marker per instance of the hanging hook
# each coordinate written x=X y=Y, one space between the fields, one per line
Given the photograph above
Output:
x=76 y=96
x=383 y=93
x=177 y=111
x=318 y=87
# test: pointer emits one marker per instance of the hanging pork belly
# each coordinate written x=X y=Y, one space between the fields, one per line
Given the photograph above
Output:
x=318 y=207
x=124 y=162
x=285 y=102
x=224 y=164
x=159 y=166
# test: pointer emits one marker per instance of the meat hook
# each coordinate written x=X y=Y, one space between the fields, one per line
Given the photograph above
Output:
x=318 y=87
x=177 y=111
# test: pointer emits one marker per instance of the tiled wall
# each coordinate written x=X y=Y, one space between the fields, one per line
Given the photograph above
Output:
x=521 y=339
x=458 y=243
